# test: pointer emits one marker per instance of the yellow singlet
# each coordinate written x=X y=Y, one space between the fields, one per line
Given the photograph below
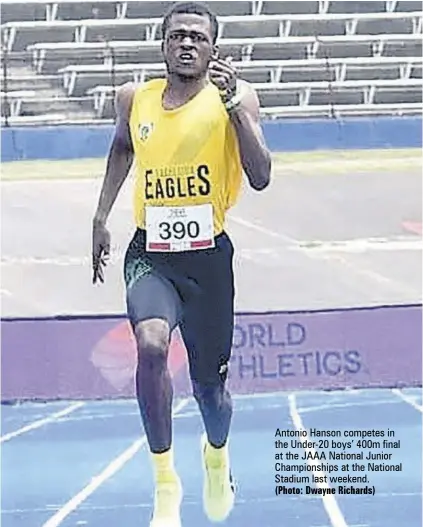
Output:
x=187 y=157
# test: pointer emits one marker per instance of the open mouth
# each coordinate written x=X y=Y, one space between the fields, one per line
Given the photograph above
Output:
x=186 y=58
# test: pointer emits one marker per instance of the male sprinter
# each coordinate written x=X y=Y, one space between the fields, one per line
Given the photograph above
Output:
x=191 y=136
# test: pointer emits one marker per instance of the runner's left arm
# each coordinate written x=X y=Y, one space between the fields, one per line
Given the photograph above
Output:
x=245 y=117
x=255 y=156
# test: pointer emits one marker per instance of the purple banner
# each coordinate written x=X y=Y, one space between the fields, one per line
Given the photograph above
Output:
x=95 y=358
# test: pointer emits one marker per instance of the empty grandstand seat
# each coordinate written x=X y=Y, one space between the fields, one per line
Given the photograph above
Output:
x=281 y=49
x=403 y=47
x=52 y=57
x=400 y=25
x=156 y=9
x=369 y=45
x=360 y=23
x=137 y=29
x=313 y=71
x=404 y=93
x=146 y=9
x=86 y=10
x=19 y=35
x=335 y=95
x=269 y=97
x=416 y=71
x=373 y=72
x=403 y=6
x=292 y=7
x=250 y=27
x=356 y=6
x=348 y=47
x=22 y=11
x=319 y=26
x=11 y=101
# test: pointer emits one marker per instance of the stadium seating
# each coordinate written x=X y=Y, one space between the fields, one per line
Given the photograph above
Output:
x=304 y=58
x=13 y=100
x=17 y=35
x=80 y=78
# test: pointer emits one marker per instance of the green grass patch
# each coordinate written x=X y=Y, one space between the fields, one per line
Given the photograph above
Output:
x=348 y=155
x=342 y=161
x=318 y=162
x=44 y=169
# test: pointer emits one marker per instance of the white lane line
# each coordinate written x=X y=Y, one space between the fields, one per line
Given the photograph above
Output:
x=323 y=407
x=112 y=468
x=41 y=422
x=334 y=512
x=263 y=230
x=407 y=399
x=362 y=245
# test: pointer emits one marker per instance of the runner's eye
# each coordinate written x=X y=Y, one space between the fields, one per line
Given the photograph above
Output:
x=179 y=36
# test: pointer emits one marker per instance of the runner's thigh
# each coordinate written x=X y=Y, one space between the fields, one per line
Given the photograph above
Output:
x=149 y=295
x=208 y=320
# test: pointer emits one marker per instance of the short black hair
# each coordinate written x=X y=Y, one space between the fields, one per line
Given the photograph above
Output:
x=195 y=8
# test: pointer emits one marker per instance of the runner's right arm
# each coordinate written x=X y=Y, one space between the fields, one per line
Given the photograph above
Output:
x=119 y=162
x=121 y=154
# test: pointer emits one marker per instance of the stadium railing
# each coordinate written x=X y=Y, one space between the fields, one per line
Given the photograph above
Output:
x=341 y=110
x=410 y=22
x=333 y=92
x=245 y=49
x=337 y=69
x=56 y=9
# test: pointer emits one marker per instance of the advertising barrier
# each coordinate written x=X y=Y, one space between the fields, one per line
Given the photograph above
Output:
x=95 y=358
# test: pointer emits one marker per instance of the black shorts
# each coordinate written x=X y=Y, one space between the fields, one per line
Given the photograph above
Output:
x=193 y=290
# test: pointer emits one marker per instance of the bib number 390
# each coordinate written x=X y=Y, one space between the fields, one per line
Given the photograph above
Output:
x=179 y=230
x=175 y=229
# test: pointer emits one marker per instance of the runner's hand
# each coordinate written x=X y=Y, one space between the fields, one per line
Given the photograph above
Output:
x=100 y=250
x=224 y=76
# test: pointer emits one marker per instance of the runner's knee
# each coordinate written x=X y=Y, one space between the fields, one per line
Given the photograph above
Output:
x=210 y=396
x=152 y=338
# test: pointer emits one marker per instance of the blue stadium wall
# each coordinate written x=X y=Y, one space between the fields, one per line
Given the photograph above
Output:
x=75 y=142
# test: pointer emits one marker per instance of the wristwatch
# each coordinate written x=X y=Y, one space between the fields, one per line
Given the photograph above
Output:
x=231 y=99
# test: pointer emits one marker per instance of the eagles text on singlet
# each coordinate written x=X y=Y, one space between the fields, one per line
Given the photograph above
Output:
x=177 y=182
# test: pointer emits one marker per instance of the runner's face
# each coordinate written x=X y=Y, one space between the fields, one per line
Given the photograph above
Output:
x=188 y=46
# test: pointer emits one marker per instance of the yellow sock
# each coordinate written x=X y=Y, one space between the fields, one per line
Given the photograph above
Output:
x=163 y=465
x=216 y=456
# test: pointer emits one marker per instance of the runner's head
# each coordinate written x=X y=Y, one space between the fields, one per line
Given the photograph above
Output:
x=189 y=39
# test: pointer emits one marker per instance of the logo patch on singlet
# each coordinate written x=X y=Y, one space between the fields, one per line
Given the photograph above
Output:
x=145 y=130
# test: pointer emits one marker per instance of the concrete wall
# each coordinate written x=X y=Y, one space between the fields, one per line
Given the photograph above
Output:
x=76 y=142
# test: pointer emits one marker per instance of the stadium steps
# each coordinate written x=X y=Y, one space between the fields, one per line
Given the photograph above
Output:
x=49 y=98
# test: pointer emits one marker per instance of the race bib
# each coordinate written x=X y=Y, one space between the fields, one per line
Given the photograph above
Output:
x=176 y=229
